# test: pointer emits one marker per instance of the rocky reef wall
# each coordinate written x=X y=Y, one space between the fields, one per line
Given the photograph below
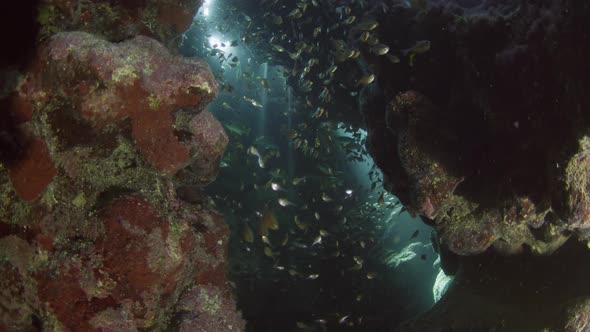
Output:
x=101 y=124
x=484 y=134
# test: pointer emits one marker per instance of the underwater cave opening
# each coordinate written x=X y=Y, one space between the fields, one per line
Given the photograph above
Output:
x=316 y=242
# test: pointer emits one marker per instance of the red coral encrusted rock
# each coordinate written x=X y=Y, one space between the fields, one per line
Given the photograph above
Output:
x=106 y=83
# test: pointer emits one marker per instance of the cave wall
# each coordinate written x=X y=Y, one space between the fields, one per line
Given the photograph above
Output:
x=484 y=135
x=101 y=123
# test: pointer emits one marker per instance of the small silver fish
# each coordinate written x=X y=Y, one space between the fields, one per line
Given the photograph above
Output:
x=350 y=20
x=317 y=240
x=367 y=25
x=393 y=58
x=365 y=36
x=295 y=14
x=380 y=49
x=278 y=48
x=343 y=319
x=253 y=151
x=366 y=80
x=316 y=32
x=421 y=46
x=253 y=102
x=284 y=202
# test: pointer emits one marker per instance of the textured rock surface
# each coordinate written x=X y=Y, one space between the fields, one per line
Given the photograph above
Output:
x=479 y=137
x=93 y=76
x=486 y=138
x=119 y=20
x=206 y=309
x=98 y=136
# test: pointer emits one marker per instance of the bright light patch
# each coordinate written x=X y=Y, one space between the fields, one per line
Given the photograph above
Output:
x=214 y=42
x=206 y=11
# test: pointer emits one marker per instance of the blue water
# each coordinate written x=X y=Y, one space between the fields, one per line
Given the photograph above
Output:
x=298 y=285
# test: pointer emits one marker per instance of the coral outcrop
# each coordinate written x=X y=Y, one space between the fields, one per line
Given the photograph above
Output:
x=103 y=126
x=92 y=76
x=484 y=135
x=164 y=21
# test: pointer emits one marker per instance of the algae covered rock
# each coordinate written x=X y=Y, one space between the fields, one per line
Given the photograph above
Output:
x=485 y=136
x=92 y=233
x=164 y=21
x=577 y=178
x=90 y=78
x=476 y=135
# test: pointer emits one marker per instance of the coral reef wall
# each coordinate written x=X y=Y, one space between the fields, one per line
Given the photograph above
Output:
x=100 y=126
x=484 y=134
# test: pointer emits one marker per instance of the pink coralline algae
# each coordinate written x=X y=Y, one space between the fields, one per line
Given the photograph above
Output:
x=209 y=140
x=136 y=271
x=136 y=80
x=207 y=308
x=32 y=173
x=92 y=231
